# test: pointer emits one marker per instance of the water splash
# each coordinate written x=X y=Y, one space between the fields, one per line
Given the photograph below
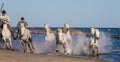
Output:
x=43 y=46
x=79 y=43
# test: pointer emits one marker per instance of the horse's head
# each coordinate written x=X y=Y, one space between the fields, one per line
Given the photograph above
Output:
x=22 y=29
x=97 y=33
x=59 y=31
x=60 y=35
x=92 y=30
x=66 y=26
x=47 y=28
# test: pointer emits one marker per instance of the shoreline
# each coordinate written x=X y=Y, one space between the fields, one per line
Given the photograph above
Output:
x=14 y=56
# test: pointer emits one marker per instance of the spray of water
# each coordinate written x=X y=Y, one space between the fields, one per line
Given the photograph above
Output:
x=78 y=44
x=44 y=46
x=105 y=43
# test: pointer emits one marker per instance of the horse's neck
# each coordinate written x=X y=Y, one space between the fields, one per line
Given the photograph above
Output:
x=48 y=31
x=68 y=34
x=5 y=26
x=97 y=33
x=60 y=35
x=23 y=28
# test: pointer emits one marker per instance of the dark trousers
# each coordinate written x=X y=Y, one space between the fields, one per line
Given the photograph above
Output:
x=0 y=34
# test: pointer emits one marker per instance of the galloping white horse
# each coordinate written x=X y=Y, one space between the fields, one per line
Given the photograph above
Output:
x=7 y=36
x=25 y=38
x=49 y=38
x=69 y=39
x=60 y=40
x=65 y=40
x=94 y=41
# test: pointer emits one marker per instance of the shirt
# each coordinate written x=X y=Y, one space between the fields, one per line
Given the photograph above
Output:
x=22 y=22
x=5 y=19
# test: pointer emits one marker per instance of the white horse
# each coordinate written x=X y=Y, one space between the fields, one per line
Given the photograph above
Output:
x=94 y=42
x=65 y=40
x=69 y=39
x=49 y=38
x=61 y=40
x=69 y=43
x=25 y=38
x=6 y=34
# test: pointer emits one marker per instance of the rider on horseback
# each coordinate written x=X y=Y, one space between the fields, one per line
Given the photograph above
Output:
x=18 y=25
x=5 y=19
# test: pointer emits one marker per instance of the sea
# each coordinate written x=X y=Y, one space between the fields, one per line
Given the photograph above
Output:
x=109 y=46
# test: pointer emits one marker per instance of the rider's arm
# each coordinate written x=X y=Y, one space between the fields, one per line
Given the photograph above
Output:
x=26 y=24
x=18 y=24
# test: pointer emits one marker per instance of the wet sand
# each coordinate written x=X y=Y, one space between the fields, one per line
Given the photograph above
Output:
x=13 y=56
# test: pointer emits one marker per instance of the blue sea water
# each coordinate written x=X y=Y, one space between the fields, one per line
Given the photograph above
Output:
x=113 y=56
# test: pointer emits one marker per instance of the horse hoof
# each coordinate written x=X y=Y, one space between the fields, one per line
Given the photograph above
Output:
x=12 y=49
x=31 y=52
x=14 y=38
x=33 y=47
x=24 y=51
x=57 y=51
x=67 y=54
x=7 y=48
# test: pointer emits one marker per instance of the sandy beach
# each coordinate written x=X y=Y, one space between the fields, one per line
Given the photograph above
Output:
x=13 y=56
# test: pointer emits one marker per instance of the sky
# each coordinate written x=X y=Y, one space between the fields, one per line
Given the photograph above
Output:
x=76 y=13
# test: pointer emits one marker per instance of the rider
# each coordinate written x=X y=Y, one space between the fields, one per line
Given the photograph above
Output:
x=18 y=25
x=5 y=18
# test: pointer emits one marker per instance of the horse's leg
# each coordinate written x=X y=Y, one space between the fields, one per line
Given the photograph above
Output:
x=25 y=46
x=31 y=51
x=30 y=40
x=22 y=44
x=6 y=43
x=11 y=46
x=64 y=47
